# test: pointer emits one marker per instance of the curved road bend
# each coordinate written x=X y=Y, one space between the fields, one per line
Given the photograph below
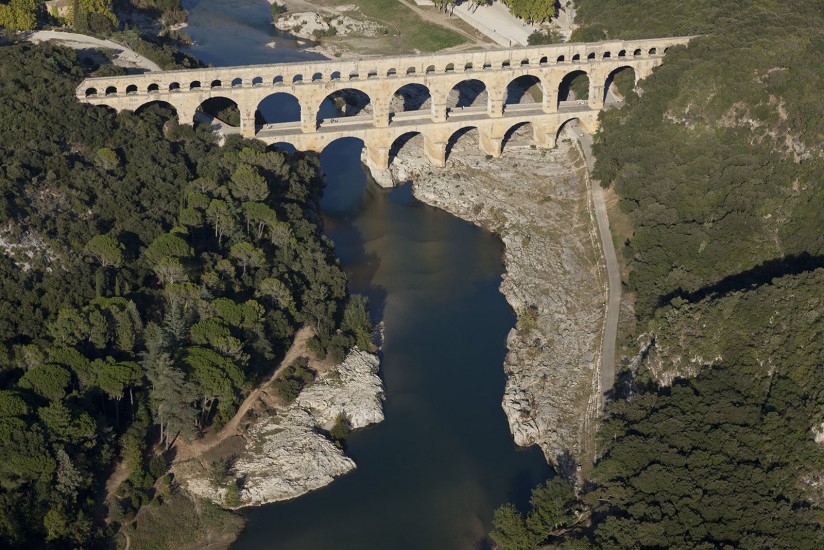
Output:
x=607 y=376
x=76 y=41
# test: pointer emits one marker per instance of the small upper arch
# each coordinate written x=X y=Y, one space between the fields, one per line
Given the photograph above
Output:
x=91 y=92
x=194 y=85
x=111 y=90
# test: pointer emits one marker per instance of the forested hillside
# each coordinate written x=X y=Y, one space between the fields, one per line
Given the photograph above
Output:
x=718 y=163
x=149 y=278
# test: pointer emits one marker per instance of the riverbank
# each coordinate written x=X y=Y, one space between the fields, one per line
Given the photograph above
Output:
x=539 y=203
x=350 y=28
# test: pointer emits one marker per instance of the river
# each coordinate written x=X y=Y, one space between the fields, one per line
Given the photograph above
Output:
x=430 y=475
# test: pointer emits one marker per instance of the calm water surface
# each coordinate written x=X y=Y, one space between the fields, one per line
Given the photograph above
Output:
x=431 y=474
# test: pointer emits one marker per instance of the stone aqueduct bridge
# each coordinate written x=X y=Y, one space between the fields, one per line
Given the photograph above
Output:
x=381 y=77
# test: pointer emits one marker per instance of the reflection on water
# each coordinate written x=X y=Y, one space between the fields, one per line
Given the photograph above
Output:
x=432 y=473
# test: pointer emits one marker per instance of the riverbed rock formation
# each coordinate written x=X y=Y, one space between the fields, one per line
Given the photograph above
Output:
x=538 y=202
x=288 y=453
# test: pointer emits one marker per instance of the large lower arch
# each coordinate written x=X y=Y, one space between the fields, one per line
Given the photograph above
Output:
x=220 y=109
x=519 y=134
x=574 y=86
x=524 y=89
x=278 y=108
x=468 y=93
x=573 y=124
x=411 y=97
x=413 y=141
x=347 y=102
x=468 y=133
x=157 y=107
x=619 y=84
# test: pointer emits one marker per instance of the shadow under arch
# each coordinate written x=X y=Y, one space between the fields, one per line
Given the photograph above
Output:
x=158 y=106
x=344 y=103
x=467 y=132
x=621 y=80
x=468 y=93
x=410 y=97
x=574 y=86
x=345 y=177
x=517 y=131
x=218 y=108
x=565 y=124
x=400 y=142
x=524 y=89
x=278 y=108
x=282 y=147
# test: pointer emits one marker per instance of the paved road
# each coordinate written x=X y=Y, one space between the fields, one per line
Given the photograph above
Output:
x=129 y=57
x=495 y=21
x=607 y=377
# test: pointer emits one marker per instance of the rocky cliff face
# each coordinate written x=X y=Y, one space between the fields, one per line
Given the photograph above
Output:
x=287 y=454
x=538 y=202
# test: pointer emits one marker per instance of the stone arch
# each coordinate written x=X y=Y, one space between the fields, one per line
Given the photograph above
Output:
x=372 y=73
x=354 y=75
x=468 y=93
x=621 y=80
x=174 y=86
x=607 y=55
x=131 y=89
x=524 y=62
x=216 y=84
x=430 y=69
x=574 y=85
x=91 y=92
x=560 y=59
x=468 y=66
x=636 y=53
x=282 y=147
x=487 y=65
x=111 y=90
x=146 y=106
x=154 y=87
x=338 y=194
x=544 y=60
x=297 y=79
x=576 y=57
x=591 y=56
x=278 y=108
x=524 y=89
x=237 y=82
x=506 y=64
x=194 y=85
x=410 y=71
x=653 y=51
x=467 y=132
x=277 y=80
x=517 y=131
x=317 y=77
x=410 y=97
x=257 y=81
x=401 y=141
x=335 y=75
x=392 y=73
x=564 y=125
x=450 y=67
x=218 y=108
x=622 y=53
x=344 y=103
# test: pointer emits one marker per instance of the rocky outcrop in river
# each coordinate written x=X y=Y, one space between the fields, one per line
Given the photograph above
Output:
x=538 y=202
x=288 y=453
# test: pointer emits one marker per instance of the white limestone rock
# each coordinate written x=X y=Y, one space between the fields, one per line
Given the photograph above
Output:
x=353 y=389
x=287 y=454
x=538 y=203
x=292 y=459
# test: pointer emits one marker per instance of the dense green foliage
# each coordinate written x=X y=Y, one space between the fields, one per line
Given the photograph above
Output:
x=719 y=167
x=551 y=507
x=149 y=278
